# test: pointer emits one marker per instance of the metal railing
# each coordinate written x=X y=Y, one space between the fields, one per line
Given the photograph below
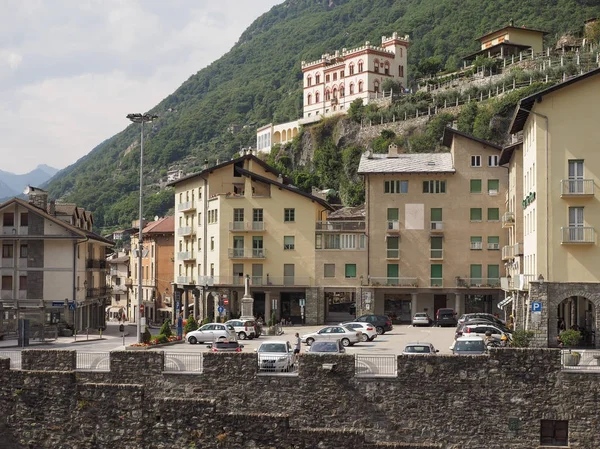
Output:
x=185 y=230
x=393 y=281
x=184 y=280
x=508 y=252
x=508 y=219
x=393 y=225
x=14 y=356
x=375 y=365
x=243 y=253
x=185 y=255
x=518 y=249
x=476 y=245
x=576 y=187
x=93 y=361
x=355 y=225
x=436 y=254
x=246 y=226
x=577 y=234
x=277 y=363
x=580 y=360
x=177 y=362
x=188 y=205
x=436 y=282
x=481 y=282
x=437 y=226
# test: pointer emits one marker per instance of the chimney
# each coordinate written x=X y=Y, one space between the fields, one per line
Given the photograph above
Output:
x=37 y=197
x=393 y=150
x=280 y=178
x=369 y=154
x=52 y=208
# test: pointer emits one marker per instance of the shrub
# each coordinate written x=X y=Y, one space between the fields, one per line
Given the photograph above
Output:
x=570 y=337
x=190 y=325
x=159 y=339
x=205 y=321
x=146 y=336
x=165 y=329
x=521 y=338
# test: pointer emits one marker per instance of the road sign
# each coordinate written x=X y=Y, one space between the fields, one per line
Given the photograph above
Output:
x=225 y=301
x=72 y=305
x=221 y=309
x=302 y=302
x=58 y=303
x=141 y=308
x=536 y=306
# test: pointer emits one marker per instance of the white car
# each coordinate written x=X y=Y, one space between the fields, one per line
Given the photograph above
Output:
x=243 y=329
x=419 y=349
x=346 y=335
x=275 y=356
x=211 y=332
x=369 y=333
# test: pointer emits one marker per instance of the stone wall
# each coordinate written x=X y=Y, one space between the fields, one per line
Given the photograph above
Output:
x=435 y=402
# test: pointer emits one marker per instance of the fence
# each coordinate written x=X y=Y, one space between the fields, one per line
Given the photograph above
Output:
x=93 y=361
x=14 y=356
x=376 y=365
x=580 y=360
x=175 y=362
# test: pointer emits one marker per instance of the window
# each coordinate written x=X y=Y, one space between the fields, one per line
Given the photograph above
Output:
x=332 y=241
x=476 y=243
x=476 y=214
x=317 y=97
x=329 y=270
x=327 y=95
x=319 y=241
x=434 y=186
x=360 y=86
x=436 y=218
x=395 y=187
x=24 y=219
x=576 y=176
x=289 y=242
x=351 y=88
x=393 y=247
x=318 y=78
x=22 y=282
x=257 y=215
x=309 y=81
x=475 y=185
x=387 y=68
x=7 y=251
x=554 y=433
x=9 y=219
x=212 y=243
x=360 y=66
x=23 y=252
x=493 y=161
x=393 y=273
x=436 y=248
x=341 y=74
x=493 y=186
x=493 y=243
x=288 y=273
x=493 y=214
x=437 y=275
x=376 y=66
x=350 y=271
x=6 y=282
x=352 y=69
x=327 y=78
x=475 y=274
x=475 y=161
x=289 y=215
x=400 y=71
x=392 y=219
x=238 y=215
x=493 y=275
x=309 y=99
x=376 y=86
x=348 y=241
x=334 y=76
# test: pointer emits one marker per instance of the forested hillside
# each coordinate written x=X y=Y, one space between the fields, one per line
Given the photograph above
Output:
x=259 y=81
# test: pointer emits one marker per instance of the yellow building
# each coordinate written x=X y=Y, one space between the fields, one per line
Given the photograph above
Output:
x=242 y=218
x=435 y=230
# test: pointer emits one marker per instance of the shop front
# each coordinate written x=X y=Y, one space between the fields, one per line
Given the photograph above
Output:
x=397 y=306
x=340 y=305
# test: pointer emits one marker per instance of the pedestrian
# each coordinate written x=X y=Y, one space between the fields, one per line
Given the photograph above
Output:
x=298 y=343
x=180 y=326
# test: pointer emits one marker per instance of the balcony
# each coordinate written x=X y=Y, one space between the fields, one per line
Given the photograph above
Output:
x=246 y=226
x=95 y=263
x=393 y=254
x=281 y=281
x=7 y=262
x=186 y=255
x=436 y=282
x=508 y=252
x=189 y=280
x=437 y=226
x=97 y=292
x=242 y=253
x=187 y=206
x=577 y=235
x=436 y=254
x=478 y=282
x=186 y=231
x=129 y=282
x=393 y=226
x=508 y=219
x=576 y=188
x=393 y=281
x=119 y=289
x=518 y=249
x=337 y=226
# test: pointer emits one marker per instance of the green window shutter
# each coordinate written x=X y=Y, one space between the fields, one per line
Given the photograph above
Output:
x=436 y=271
x=393 y=242
x=494 y=239
x=392 y=270
x=493 y=184
x=475 y=214
x=493 y=214
x=475 y=274
x=350 y=270
x=493 y=273
x=475 y=185
x=392 y=214
x=436 y=242
x=475 y=239
x=436 y=214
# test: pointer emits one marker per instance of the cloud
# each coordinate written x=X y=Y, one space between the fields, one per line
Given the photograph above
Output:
x=71 y=71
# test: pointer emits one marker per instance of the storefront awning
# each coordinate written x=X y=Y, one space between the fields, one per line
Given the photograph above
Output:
x=502 y=304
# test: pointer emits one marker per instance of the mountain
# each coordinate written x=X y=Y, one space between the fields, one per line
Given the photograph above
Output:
x=12 y=185
x=259 y=81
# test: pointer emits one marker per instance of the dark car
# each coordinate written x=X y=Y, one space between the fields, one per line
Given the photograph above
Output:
x=467 y=317
x=381 y=323
x=225 y=346
x=327 y=347
x=445 y=317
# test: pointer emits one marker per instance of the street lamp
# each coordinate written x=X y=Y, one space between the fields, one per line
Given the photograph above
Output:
x=141 y=119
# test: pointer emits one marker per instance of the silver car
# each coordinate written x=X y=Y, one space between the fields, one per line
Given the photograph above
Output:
x=211 y=332
x=275 y=356
x=421 y=319
x=419 y=349
x=346 y=335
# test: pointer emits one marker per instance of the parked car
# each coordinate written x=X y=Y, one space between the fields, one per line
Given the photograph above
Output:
x=480 y=329
x=346 y=335
x=482 y=322
x=225 y=346
x=421 y=319
x=445 y=317
x=211 y=332
x=419 y=349
x=327 y=347
x=275 y=356
x=243 y=329
x=469 y=346
x=465 y=317
x=369 y=333
x=381 y=322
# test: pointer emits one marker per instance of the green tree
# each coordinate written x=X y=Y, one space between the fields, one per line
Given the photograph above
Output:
x=165 y=329
x=190 y=325
x=431 y=65
x=356 y=110
x=466 y=117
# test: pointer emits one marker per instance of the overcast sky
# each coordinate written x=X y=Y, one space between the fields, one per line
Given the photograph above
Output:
x=70 y=70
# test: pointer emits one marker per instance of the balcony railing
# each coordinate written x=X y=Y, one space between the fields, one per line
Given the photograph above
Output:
x=95 y=263
x=437 y=226
x=578 y=235
x=188 y=205
x=394 y=281
x=184 y=280
x=393 y=225
x=393 y=254
x=476 y=245
x=508 y=252
x=436 y=282
x=243 y=253
x=493 y=246
x=436 y=254
x=97 y=292
x=336 y=226
x=280 y=280
x=246 y=226
x=185 y=255
x=186 y=230
x=508 y=219
x=481 y=282
x=576 y=187
x=518 y=249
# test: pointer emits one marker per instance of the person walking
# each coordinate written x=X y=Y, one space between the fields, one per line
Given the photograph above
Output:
x=297 y=348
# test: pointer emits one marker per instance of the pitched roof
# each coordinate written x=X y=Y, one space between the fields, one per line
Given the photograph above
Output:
x=449 y=134
x=511 y=27
x=508 y=151
x=64 y=208
x=344 y=213
x=288 y=187
x=117 y=260
x=522 y=111
x=406 y=163
x=165 y=225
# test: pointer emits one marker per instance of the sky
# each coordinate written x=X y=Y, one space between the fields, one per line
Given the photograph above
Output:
x=71 y=70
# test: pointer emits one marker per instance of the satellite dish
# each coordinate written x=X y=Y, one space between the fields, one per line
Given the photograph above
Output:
x=27 y=190
x=156 y=218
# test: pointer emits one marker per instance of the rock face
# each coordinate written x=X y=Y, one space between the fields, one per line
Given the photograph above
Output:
x=434 y=402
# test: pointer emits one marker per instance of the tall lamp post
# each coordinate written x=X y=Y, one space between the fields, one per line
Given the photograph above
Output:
x=141 y=119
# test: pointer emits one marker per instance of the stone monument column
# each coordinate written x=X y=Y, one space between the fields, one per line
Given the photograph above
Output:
x=247 y=301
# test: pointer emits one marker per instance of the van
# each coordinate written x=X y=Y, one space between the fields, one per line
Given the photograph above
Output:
x=445 y=317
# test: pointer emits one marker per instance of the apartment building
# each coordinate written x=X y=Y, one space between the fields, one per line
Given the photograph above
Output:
x=557 y=173
x=435 y=230
x=119 y=281
x=240 y=219
x=158 y=256
x=53 y=266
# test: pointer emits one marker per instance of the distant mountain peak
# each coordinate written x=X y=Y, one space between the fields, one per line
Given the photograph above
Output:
x=47 y=169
